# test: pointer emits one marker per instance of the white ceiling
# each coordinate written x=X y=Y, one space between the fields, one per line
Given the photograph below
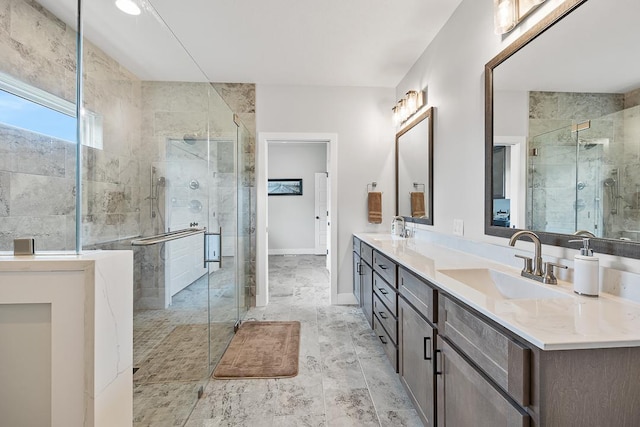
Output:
x=295 y=42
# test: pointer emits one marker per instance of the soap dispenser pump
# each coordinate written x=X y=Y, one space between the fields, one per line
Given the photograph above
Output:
x=586 y=272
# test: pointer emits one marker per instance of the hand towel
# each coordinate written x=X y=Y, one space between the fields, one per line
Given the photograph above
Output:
x=417 y=204
x=375 y=207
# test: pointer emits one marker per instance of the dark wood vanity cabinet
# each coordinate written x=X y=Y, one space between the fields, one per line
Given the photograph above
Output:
x=463 y=369
x=466 y=398
x=482 y=373
x=416 y=339
x=416 y=342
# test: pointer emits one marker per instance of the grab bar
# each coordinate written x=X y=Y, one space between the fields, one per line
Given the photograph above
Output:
x=165 y=237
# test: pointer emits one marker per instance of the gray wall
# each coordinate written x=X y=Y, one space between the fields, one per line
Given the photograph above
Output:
x=292 y=218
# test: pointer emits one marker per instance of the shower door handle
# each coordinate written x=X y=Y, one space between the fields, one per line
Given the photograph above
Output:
x=217 y=256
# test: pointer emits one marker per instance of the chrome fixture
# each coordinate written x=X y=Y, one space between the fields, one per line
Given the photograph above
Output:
x=403 y=229
x=533 y=269
x=194 y=184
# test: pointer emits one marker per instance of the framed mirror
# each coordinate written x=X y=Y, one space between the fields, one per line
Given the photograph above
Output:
x=562 y=129
x=414 y=170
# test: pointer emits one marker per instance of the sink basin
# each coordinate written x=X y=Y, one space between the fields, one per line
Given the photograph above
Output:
x=499 y=285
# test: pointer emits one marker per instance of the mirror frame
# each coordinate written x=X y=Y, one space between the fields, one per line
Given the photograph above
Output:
x=599 y=245
x=428 y=113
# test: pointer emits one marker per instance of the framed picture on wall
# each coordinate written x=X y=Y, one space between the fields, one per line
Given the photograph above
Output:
x=285 y=187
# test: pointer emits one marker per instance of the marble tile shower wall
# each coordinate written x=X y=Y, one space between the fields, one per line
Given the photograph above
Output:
x=138 y=117
x=551 y=182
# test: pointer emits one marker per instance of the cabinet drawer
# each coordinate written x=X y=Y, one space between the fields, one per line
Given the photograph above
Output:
x=466 y=398
x=385 y=317
x=366 y=253
x=386 y=293
x=503 y=359
x=419 y=293
x=356 y=245
x=386 y=268
x=389 y=347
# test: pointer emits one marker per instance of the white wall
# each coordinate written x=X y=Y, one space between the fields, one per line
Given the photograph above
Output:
x=362 y=119
x=292 y=218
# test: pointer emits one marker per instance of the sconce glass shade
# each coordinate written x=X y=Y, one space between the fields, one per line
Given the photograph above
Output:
x=396 y=115
x=412 y=101
x=128 y=6
x=504 y=16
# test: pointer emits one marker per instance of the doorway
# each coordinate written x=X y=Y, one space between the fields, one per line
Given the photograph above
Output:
x=262 y=221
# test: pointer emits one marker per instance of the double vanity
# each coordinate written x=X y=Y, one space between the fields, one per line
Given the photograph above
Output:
x=476 y=344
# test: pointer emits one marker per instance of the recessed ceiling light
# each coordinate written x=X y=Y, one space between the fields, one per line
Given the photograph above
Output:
x=128 y=7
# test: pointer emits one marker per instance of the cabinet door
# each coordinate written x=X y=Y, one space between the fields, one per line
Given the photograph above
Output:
x=356 y=276
x=367 y=292
x=466 y=398
x=416 y=344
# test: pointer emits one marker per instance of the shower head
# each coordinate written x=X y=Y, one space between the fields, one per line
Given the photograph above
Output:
x=609 y=182
x=161 y=182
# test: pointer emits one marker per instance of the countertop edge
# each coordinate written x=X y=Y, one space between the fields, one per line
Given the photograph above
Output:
x=540 y=343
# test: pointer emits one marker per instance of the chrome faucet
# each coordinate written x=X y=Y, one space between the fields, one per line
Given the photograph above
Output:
x=403 y=230
x=533 y=268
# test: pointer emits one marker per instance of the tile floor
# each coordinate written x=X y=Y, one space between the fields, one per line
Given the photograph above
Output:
x=344 y=377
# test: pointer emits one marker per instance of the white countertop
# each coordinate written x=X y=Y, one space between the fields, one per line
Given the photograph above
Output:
x=569 y=322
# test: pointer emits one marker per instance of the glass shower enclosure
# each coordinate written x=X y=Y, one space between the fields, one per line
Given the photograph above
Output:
x=583 y=177
x=156 y=150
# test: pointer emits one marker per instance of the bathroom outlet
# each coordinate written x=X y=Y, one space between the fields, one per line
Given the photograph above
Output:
x=458 y=227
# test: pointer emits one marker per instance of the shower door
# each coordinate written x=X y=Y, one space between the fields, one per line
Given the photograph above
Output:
x=588 y=198
x=222 y=243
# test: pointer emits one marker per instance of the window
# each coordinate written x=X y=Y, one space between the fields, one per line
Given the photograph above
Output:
x=35 y=110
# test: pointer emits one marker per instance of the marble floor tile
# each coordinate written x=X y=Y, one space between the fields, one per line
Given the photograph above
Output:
x=344 y=377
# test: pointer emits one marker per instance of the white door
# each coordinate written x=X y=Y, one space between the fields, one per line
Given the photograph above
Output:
x=321 y=213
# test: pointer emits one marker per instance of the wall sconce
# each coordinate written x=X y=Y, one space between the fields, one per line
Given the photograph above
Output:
x=508 y=13
x=407 y=106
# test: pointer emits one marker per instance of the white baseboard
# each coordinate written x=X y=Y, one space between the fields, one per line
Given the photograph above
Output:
x=346 y=299
x=311 y=251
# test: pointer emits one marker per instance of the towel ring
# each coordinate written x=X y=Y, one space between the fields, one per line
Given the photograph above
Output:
x=372 y=185
x=417 y=184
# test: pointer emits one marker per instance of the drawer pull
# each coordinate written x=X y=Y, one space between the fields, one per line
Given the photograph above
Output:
x=438 y=367
x=382 y=266
x=382 y=315
x=427 y=340
x=384 y=341
x=383 y=291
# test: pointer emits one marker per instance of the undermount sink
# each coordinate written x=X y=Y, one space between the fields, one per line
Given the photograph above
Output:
x=499 y=285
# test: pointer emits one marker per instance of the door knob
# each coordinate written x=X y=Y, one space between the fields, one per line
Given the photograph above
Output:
x=317 y=217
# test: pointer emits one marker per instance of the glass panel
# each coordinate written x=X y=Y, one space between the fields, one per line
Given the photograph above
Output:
x=223 y=218
x=37 y=127
x=167 y=162
x=245 y=185
x=551 y=181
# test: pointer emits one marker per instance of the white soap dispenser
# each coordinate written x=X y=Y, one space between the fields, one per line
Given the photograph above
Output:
x=586 y=272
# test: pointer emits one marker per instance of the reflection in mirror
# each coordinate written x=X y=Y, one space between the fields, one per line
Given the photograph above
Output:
x=414 y=170
x=563 y=128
